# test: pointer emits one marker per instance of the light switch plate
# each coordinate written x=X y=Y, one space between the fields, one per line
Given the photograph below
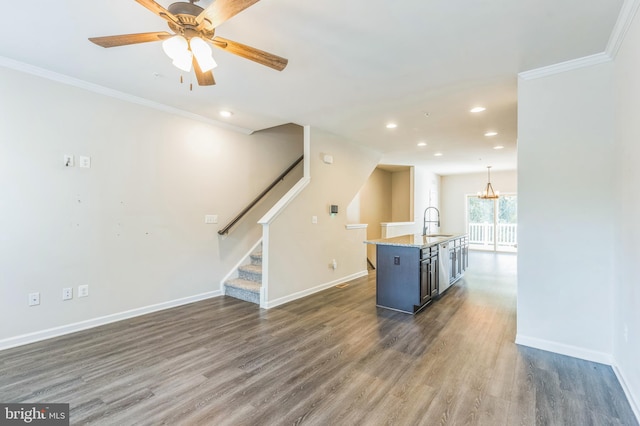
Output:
x=211 y=218
x=68 y=160
x=314 y=219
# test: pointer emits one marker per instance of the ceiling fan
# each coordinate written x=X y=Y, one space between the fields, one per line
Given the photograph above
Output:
x=193 y=31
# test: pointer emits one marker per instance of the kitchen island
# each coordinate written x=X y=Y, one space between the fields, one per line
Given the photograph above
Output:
x=412 y=270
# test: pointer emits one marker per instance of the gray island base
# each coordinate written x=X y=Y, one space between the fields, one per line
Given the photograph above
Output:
x=413 y=270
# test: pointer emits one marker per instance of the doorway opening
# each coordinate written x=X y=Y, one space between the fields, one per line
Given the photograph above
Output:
x=493 y=224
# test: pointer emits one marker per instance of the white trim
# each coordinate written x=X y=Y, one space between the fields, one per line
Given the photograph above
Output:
x=573 y=64
x=312 y=290
x=627 y=13
x=264 y=289
x=563 y=349
x=350 y=226
x=633 y=401
x=95 y=88
x=37 y=336
x=392 y=224
x=284 y=201
x=306 y=146
x=234 y=271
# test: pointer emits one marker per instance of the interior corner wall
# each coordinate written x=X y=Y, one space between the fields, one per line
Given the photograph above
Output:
x=426 y=193
x=301 y=252
x=626 y=213
x=456 y=188
x=375 y=206
x=131 y=226
x=565 y=211
x=400 y=196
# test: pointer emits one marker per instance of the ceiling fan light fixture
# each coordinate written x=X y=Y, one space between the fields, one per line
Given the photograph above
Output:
x=175 y=46
x=202 y=51
x=183 y=61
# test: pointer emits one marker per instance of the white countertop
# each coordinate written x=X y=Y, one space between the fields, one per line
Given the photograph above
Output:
x=416 y=240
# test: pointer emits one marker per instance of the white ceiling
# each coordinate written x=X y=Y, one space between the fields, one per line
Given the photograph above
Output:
x=353 y=65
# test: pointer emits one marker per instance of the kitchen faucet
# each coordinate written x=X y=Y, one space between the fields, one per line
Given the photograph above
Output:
x=425 y=221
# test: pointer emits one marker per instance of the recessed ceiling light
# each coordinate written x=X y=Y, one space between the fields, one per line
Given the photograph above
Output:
x=491 y=133
x=498 y=147
x=392 y=126
x=226 y=114
x=437 y=154
x=477 y=109
x=422 y=144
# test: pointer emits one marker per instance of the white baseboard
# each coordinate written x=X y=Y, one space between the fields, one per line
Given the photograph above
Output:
x=312 y=290
x=563 y=349
x=37 y=336
x=633 y=401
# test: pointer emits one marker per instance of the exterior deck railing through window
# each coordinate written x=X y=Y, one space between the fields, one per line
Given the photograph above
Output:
x=482 y=234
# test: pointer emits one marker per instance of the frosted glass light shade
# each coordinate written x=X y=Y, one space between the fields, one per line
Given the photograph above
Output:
x=175 y=46
x=183 y=61
x=202 y=51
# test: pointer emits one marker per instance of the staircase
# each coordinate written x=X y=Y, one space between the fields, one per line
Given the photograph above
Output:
x=247 y=285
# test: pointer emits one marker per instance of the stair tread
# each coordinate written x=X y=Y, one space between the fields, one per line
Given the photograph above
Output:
x=246 y=285
x=254 y=269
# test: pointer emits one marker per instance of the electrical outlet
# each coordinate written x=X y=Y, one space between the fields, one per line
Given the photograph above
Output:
x=83 y=290
x=34 y=299
x=314 y=219
x=67 y=293
x=334 y=264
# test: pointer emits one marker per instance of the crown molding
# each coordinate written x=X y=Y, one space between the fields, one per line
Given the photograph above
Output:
x=573 y=64
x=625 y=17
x=95 y=88
x=627 y=13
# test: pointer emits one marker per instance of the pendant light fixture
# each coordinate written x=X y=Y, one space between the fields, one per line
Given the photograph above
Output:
x=488 y=193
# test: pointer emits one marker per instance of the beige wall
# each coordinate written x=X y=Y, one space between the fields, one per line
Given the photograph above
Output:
x=401 y=196
x=301 y=252
x=375 y=206
x=132 y=226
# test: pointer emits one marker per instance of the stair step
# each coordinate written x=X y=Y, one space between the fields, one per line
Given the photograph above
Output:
x=256 y=258
x=251 y=272
x=238 y=288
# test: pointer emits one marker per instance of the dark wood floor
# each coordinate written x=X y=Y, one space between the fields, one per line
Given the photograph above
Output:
x=329 y=359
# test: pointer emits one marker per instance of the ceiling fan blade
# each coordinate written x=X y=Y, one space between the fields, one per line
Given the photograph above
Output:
x=125 y=39
x=260 y=56
x=204 y=78
x=221 y=10
x=160 y=11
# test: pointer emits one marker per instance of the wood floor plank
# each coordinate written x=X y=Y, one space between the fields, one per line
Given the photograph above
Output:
x=330 y=358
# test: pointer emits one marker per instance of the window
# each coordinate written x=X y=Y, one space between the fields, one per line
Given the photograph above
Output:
x=493 y=224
